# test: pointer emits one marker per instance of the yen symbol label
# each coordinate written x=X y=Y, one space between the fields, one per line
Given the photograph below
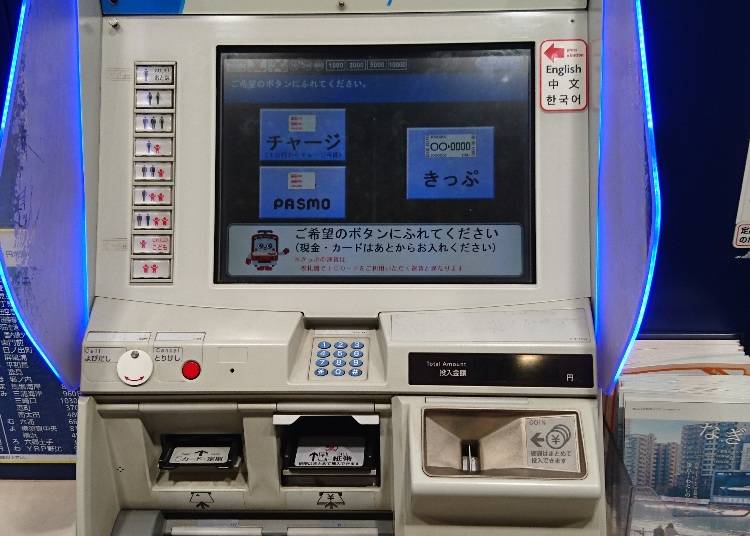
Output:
x=552 y=442
x=558 y=436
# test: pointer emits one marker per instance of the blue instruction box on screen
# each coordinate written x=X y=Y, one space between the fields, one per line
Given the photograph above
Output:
x=450 y=163
x=303 y=134
x=302 y=192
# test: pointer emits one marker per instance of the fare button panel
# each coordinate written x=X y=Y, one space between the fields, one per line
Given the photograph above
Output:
x=152 y=173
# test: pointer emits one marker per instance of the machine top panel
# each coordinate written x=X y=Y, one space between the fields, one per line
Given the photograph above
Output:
x=174 y=109
x=234 y=7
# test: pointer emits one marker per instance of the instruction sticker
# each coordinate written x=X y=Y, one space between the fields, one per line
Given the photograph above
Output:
x=195 y=455
x=552 y=443
x=742 y=226
x=450 y=163
x=303 y=134
x=563 y=76
x=302 y=193
x=321 y=452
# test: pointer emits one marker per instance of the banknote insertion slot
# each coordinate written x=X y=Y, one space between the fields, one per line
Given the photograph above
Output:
x=201 y=452
x=341 y=450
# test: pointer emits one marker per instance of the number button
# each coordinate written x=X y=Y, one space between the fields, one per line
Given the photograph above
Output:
x=324 y=353
x=322 y=363
x=358 y=354
x=356 y=363
x=339 y=372
x=357 y=345
x=324 y=345
x=339 y=362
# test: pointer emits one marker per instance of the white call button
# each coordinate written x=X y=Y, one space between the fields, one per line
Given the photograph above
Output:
x=135 y=367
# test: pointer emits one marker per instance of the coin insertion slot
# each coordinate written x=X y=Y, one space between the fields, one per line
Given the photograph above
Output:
x=201 y=452
x=329 y=451
x=470 y=456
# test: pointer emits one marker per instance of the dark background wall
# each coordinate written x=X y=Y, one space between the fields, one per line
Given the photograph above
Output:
x=8 y=21
x=699 y=64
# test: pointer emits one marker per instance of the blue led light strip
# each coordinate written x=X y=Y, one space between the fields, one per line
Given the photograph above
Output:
x=655 y=200
x=84 y=216
x=10 y=91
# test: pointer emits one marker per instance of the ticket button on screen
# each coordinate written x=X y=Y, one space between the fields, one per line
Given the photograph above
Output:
x=450 y=163
x=302 y=193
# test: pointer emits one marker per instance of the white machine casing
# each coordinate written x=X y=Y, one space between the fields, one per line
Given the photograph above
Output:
x=252 y=342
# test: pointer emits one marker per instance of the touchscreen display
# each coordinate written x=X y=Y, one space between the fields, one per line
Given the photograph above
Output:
x=375 y=164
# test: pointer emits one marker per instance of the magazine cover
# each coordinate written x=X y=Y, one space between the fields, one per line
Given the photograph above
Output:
x=690 y=464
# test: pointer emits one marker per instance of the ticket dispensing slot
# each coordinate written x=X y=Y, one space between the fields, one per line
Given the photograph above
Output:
x=201 y=452
x=327 y=450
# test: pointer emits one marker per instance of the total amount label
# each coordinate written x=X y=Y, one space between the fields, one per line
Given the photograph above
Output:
x=450 y=146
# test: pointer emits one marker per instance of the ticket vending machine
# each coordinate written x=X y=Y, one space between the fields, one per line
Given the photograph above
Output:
x=344 y=267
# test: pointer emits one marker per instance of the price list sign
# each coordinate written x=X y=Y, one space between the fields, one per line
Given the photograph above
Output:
x=37 y=412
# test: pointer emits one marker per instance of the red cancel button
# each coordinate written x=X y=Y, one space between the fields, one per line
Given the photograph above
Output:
x=191 y=370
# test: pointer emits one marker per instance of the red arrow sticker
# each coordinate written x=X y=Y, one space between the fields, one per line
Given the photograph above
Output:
x=563 y=75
